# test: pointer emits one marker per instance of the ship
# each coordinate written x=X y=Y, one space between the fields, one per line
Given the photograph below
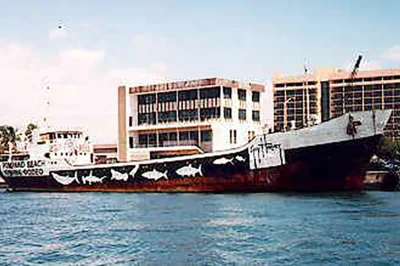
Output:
x=330 y=156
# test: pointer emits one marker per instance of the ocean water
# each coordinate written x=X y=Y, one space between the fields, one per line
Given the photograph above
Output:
x=199 y=229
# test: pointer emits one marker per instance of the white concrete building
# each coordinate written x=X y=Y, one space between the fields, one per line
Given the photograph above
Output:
x=187 y=117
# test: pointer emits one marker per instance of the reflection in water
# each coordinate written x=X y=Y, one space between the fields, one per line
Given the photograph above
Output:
x=265 y=228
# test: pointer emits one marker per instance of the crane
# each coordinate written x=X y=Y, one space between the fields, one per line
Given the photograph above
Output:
x=353 y=74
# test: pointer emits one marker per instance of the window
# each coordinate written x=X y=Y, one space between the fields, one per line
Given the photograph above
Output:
x=184 y=135
x=130 y=121
x=227 y=92
x=166 y=97
x=255 y=96
x=242 y=114
x=187 y=95
x=242 y=95
x=143 y=139
x=232 y=136
x=250 y=135
x=188 y=115
x=146 y=99
x=206 y=135
x=227 y=112
x=152 y=140
x=210 y=93
x=256 y=116
x=131 y=142
x=207 y=113
x=167 y=116
x=147 y=118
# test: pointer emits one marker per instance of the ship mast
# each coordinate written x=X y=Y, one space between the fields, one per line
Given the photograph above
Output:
x=47 y=109
x=307 y=96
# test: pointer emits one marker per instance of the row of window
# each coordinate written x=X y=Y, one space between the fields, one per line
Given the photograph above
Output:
x=190 y=115
x=337 y=81
x=377 y=87
x=69 y=154
x=242 y=114
x=183 y=115
x=298 y=92
x=295 y=84
x=366 y=79
x=194 y=95
x=171 y=138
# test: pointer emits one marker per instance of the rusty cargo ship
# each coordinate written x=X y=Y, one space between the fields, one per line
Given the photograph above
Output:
x=328 y=156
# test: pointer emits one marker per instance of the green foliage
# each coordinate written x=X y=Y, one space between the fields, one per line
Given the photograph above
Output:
x=9 y=136
x=388 y=149
x=28 y=131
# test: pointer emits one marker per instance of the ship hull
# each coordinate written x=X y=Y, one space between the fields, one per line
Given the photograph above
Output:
x=331 y=156
x=328 y=167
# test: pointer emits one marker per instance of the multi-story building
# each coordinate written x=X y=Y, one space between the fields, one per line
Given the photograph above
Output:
x=295 y=101
x=187 y=117
x=105 y=153
x=332 y=93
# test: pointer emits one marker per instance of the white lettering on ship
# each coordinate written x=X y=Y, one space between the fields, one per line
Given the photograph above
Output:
x=264 y=154
x=24 y=168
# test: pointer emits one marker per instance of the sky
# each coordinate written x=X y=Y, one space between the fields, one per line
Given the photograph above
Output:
x=83 y=50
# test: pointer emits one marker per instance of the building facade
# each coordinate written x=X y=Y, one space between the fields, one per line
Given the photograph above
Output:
x=105 y=153
x=332 y=93
x=187 y=117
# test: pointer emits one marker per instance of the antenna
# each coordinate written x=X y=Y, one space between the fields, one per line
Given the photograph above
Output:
x=47 y=111
x=307 y=95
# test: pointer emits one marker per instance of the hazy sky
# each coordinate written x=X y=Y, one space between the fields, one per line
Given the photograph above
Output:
x=102 y=44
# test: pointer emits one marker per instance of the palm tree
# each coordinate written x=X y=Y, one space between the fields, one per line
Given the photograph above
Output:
x=28 y=131
x=7 y=137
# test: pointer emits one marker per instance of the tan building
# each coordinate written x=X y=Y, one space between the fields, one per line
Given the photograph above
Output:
x=187 y=117
x=331 y=93
x=105 y=153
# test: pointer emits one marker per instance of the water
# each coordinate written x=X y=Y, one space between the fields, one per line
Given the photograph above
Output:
x=176 y=229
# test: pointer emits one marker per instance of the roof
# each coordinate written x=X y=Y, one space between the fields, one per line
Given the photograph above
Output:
x=60 y=132
x=105 y=146
x=334 y=74
x=187 y=84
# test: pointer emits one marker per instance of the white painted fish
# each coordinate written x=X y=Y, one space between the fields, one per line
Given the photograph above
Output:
x=65 y=180
x=134 y=170
x=115 y=175
x=223 y=160
x=189 y=170
x=92 y=179
x=155 y=175
x=240 y=158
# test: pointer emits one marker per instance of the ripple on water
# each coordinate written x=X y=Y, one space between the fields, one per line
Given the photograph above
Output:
x=262 y=228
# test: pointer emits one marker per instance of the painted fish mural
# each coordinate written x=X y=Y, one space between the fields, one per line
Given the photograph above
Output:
x=189 y=171
x=115 y=175
x=223 y=160
x=65 y=180
x=240 y=158
x=155 y=175
x=90 y=179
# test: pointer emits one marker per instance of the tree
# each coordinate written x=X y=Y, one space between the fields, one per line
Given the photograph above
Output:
x=388 y=149
x=7 y=137
x=28 y=131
